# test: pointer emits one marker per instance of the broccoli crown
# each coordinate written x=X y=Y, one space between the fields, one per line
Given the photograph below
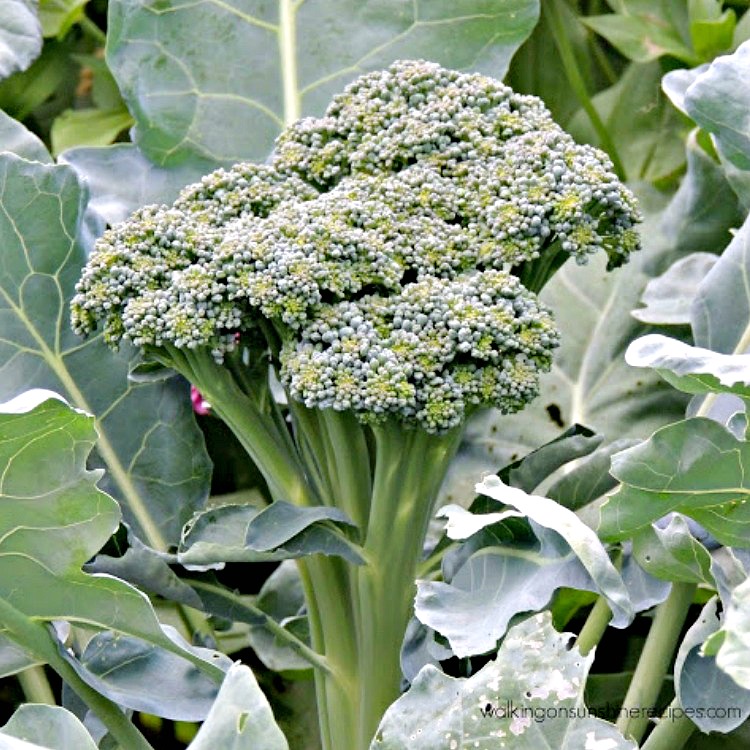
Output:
x=383 y=243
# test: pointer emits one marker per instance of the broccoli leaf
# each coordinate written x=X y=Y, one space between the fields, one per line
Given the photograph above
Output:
x=143 y=677
x=16 y=139
x=148 y=440
x=691 y=369
x=20 y=36
x=530 y=696
x=240 y=718
x=695 y=467
x=699 y=682
x=668 y=298
x=719 y=101
x=39 y=727
x=53 y=519
x=282 y=59
x=243 y=533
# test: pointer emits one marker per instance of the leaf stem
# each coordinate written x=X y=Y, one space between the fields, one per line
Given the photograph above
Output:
x=595 y=626
x=93 y=30
x=35 y=638
x=670 y=733
x=244 y=611
x=575 y=78
x=35 y=686
x=653 y=663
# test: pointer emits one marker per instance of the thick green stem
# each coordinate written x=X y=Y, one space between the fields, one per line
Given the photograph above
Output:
x=671 y=733
x=595 y=626
x=333 y=632
x=410 y=467
x=352 y=461
x=575 y=78
x=661 y=644
x=36 y=687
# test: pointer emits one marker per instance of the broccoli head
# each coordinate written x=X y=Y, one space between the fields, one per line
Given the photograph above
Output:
x=389 y=254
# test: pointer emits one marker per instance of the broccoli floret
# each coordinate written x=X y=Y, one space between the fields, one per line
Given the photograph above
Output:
x=419 y=186
x=427 y=354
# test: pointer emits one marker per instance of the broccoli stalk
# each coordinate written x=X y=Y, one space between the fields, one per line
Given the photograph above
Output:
x=384 y=266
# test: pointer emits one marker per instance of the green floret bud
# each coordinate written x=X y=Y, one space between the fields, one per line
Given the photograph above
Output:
x=423 y=355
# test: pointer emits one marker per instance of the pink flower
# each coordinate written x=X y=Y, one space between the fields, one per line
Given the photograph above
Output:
x=200 y=406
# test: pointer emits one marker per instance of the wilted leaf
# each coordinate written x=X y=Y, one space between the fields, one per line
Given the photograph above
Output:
x=529 y=697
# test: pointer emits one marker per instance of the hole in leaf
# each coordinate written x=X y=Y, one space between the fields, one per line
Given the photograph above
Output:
x=555 y=414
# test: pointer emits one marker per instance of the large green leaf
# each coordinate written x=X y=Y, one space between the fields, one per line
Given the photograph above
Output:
x=148 y=440
x=721 y=314
x=38 y=727
x=143 y=677
x=120 y=178
x=53 y=519
x=20 y=35
x=281 y=60
x=719 y=101
x=705 y=209
x=494 y=585
x=241 y=718
x=529 y=697
x=695 y=467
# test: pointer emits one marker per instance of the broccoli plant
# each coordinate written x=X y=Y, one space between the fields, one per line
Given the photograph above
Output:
x=383 y=267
